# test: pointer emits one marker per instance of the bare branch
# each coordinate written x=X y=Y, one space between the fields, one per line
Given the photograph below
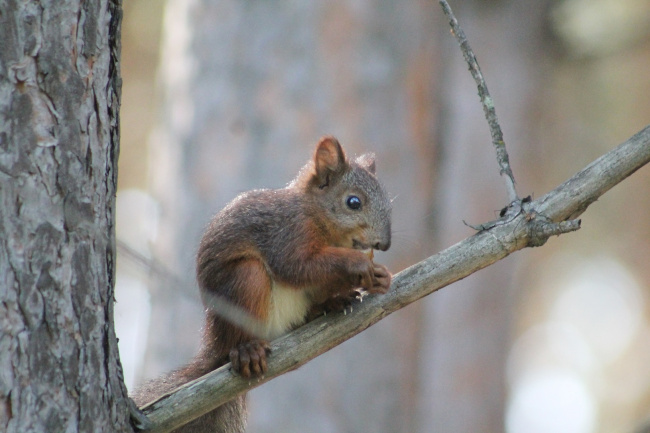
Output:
x=486 y=102
x=533 y=223
x=541 y=229
x=572 y=198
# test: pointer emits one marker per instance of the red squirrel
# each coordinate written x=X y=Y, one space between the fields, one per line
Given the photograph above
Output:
x=282 y=256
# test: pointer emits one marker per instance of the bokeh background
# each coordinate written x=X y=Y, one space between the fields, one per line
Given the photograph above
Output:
x=222 y=97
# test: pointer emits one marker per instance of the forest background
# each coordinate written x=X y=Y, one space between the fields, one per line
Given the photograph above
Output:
x=222 y=98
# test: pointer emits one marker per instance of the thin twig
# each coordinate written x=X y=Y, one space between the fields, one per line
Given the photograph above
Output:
x=150 y=265
x=486 y=101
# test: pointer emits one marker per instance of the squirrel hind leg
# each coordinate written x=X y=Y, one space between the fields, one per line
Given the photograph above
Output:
x=247 y=286
x=252 y=288
x=248 y=358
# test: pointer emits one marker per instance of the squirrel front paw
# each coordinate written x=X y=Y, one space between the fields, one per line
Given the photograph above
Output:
x=249 y=359
x=374 y=278
x=381 y=279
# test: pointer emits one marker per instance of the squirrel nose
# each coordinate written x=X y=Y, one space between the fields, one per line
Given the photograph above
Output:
x=383 y=246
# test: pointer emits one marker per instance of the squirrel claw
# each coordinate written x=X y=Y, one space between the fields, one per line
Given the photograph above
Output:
x=339 y=303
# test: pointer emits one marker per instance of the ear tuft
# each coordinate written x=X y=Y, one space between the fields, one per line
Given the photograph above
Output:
x=329 y=159
x=367 y=161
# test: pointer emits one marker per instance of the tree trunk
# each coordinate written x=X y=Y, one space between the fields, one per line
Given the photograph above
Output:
x=59 y=140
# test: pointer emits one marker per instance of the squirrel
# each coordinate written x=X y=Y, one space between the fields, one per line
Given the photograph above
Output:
x=284 y=256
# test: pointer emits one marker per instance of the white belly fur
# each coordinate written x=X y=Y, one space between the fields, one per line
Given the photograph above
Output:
x=289 y=307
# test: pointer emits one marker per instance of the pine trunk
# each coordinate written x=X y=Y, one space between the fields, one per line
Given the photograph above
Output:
x=59 y=138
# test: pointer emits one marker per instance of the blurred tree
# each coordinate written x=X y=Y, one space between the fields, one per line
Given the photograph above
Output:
x=242 y=109
x=59 y=137
x=468 y=328
x=140 y=58
x=592 y=95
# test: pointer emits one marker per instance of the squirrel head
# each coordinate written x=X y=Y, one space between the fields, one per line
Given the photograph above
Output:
x=351 y=205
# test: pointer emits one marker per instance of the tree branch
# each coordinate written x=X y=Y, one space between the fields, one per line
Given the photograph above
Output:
x=486 y=101
x=528 y=223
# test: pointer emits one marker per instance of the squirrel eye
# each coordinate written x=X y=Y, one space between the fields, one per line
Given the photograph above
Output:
x=353 y=202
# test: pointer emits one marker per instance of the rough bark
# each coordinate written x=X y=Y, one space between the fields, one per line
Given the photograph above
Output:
x=59 y=138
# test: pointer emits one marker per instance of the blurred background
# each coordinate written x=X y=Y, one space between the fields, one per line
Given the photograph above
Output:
x=222 y=97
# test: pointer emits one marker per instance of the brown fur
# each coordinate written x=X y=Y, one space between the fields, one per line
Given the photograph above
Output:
x=278 y=254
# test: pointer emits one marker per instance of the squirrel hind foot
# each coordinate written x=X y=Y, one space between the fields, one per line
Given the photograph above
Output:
x=249 y=359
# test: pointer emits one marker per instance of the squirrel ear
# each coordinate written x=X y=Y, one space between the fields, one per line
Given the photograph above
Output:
x=367 y=161
x=329 y=158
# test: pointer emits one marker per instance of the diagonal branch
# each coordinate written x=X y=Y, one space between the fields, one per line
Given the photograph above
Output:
x=526 y=228
x=486 y=101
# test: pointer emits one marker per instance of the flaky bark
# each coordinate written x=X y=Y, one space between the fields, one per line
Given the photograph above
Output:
x=59 y=137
